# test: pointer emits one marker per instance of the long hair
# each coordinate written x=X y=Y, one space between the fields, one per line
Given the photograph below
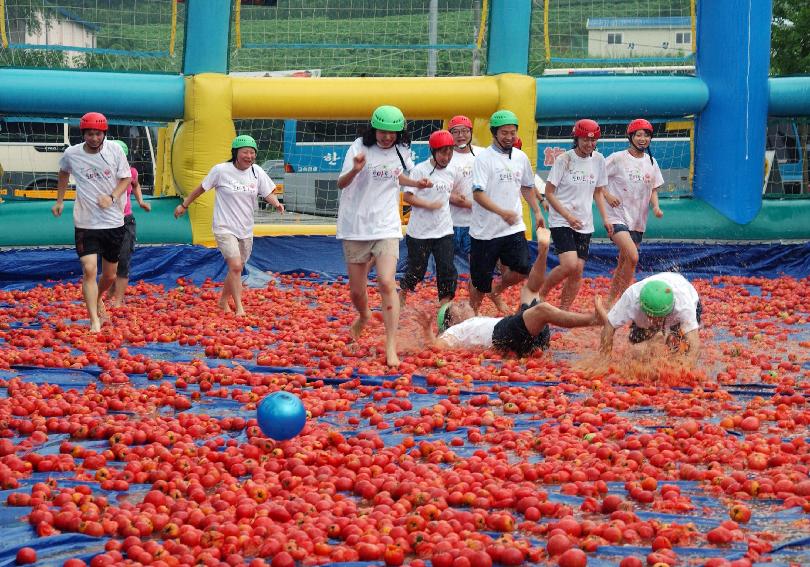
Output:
x=370 y=138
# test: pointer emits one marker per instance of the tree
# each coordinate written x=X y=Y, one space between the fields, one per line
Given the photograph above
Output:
x=790 y=37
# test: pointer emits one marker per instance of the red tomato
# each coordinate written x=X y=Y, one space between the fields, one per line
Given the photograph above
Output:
x=573 y=558
x=26 y=555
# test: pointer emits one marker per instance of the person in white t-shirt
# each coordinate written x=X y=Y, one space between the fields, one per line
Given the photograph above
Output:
x=368 y=220
x=102 y=175
x=521 y=333
x=461 y=200
x=634 y=178
x=238 y=183
x=501 y=175
x=665 y=303
x=430 y=226
x=577 y=178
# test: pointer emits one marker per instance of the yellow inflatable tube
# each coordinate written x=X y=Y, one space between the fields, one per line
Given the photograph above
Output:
x=213 y=101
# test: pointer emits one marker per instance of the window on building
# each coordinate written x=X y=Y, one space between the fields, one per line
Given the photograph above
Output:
x=614 y=38
x=683 y=37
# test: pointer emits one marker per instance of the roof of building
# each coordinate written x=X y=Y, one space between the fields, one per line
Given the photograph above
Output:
x=638 y=23
x=68 y=15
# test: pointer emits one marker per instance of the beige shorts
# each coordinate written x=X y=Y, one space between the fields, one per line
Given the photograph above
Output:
x=361 y=251
x=232 y=247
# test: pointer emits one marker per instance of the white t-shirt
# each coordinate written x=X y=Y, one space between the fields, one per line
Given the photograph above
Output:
x=501 y=179
x=428 y=223
x=575 y=180
x=236 y=197
x=96 y=175
x=369 y=205
x=475 y=332
x=632 y=180
x=628 y=308
x=464 y=163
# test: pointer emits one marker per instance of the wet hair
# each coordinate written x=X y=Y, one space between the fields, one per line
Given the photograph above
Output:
x=370 y=138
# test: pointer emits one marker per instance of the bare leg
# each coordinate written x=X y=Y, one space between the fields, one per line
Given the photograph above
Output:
x=537 y=275
x=90 y=289
x=105 y=282
x=567 y=267
x=232 y=287
x=476 y=297
x=118 y=290
x=539 y=316
x=571 y=286
x=387 y=286
x=626 y=266
x=508 y=279
x=358 y=290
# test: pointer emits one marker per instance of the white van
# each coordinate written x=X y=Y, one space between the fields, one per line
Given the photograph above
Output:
x=30 y=150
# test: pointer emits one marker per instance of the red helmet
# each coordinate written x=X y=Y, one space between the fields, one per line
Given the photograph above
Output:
x=586 y=128
x=460 y=121
x=440 y=139
x=93 y=121
x=639 y=124
x=518 y=143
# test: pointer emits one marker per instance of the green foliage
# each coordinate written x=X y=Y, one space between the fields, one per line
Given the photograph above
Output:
x=790 y=37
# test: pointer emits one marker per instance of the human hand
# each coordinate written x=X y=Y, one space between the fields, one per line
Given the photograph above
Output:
x=359 y=162
x=145 y=206
x=608 y=228
x=279 y=207
x=179 y=211
x=574 y=222
x=658 y=212
x=612 y=200
x=57 y=209
x=424 y=183
x=105 y=201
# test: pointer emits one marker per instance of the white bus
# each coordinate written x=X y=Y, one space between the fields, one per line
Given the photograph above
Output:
x=30 y=149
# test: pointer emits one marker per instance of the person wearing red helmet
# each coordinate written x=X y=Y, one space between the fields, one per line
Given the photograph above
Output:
x=577 y=178
x=634 y=178
x=430 y=226
x=464 y=154
x=102 y=175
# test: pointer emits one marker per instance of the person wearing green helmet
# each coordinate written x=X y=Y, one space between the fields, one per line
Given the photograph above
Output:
x=369 y=221
x=665 y=303
x=238 y=183
x=128 y=244
x=501 y=175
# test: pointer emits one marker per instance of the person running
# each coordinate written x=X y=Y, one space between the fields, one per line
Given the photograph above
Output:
x=238 y=183
x=128 y=244
x=577 y=178
x=461 y=200
x=665 y=303
x=634 y=178
x=501 y=174
x=368 y=220
x=430 y=226
x=102 y=175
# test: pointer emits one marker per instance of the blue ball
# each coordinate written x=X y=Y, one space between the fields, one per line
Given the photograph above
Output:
x=281 y=415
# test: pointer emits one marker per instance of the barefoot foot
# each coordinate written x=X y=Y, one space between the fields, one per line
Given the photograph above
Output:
x=359 y=324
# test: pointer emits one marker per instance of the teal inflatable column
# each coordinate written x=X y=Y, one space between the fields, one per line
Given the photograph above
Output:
x=208 y=25
x=733 y=57
x=508 y=40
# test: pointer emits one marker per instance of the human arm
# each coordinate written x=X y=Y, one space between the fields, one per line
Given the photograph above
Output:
x=415 y=201
x=180 y=209
x=459 y=200
x=139 y=196
x=654 y=204
x=538 y=193
x=553 y=201
x=273 y=201
x=606 y=340
x=599 y=197
x=106 y=201
x=61 y=189
x=531 y=198
x=358 y=163
x=509 y=217
x=406 y=181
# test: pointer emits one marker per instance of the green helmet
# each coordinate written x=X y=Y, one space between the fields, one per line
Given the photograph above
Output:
x=503 y=118
x=657 y=299
x=388 y=118
x=441 y=317
x=244 y=141
x=123 y=146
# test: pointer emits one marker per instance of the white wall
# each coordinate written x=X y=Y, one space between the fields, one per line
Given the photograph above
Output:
x=638 y=43
x=59 y=31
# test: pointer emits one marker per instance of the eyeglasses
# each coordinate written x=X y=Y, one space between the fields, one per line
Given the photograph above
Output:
x=460 y=131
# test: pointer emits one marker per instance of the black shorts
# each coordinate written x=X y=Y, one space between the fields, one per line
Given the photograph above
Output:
x=567 y=239
x=127 y=247
x=104 y=241
x=640 y=334
x=511 y=334
x=635 y=235
x=512 y=250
